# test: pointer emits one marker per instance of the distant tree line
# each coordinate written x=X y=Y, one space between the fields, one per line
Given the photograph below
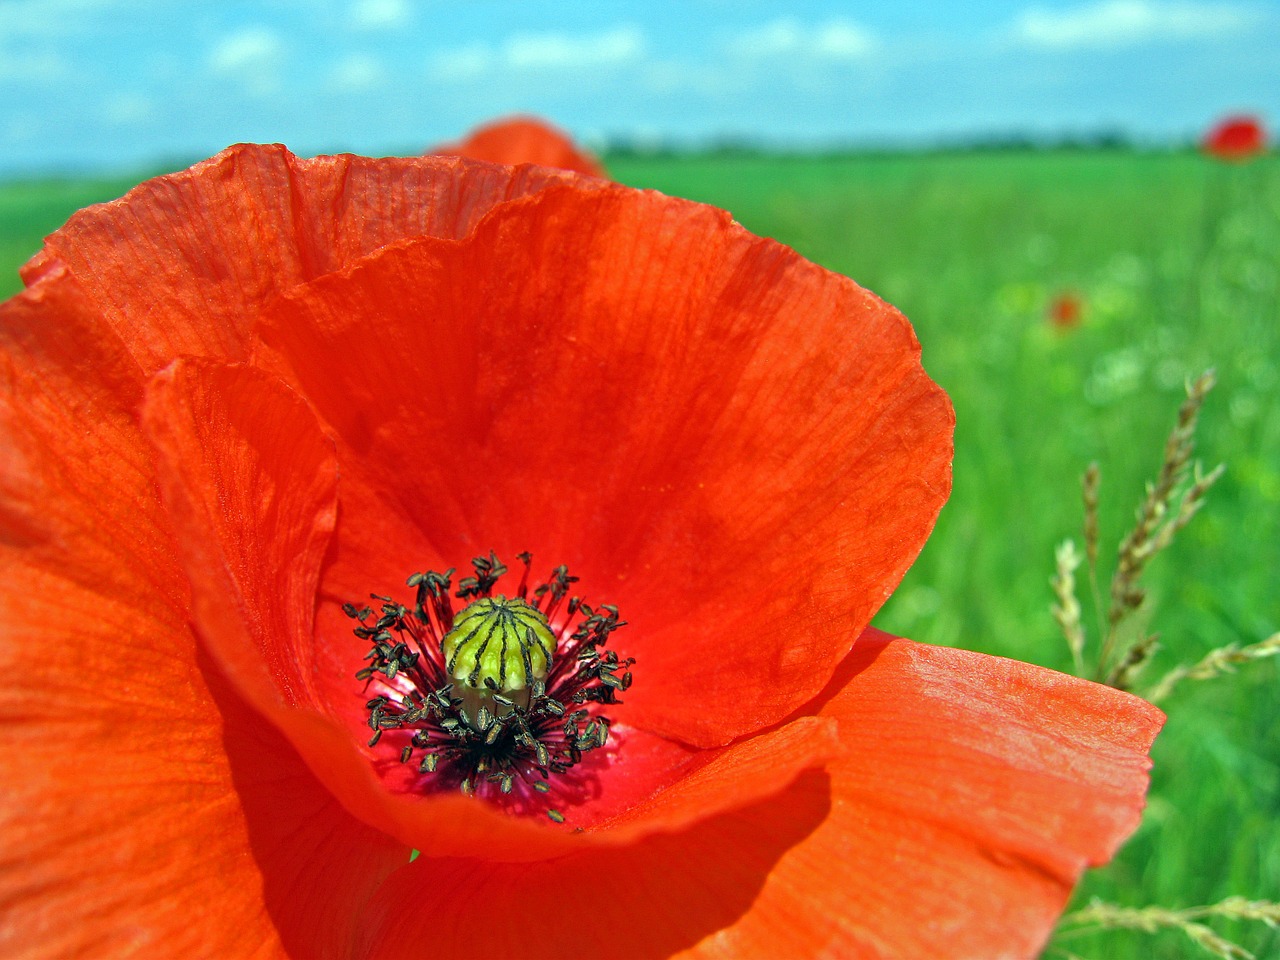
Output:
x=1112 y=140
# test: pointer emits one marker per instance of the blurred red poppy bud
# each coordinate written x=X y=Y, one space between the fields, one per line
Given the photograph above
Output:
x=1236 y=138
x=1066 y=310
x=521 y=139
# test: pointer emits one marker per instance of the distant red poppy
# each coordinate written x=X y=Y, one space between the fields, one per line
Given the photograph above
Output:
x=1236 y=138
x=246 y=396
x=1066 y=310
x=523 y=139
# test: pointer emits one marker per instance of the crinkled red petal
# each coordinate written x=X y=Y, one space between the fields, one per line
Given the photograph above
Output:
x=184 y=263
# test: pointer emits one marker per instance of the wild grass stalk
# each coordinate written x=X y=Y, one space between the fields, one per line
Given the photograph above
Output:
x=1109 y=916
x=1067 y=610
x=1171 y=500
x=1167 y=508
x=1215 y=663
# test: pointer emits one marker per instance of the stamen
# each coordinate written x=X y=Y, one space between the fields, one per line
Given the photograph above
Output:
x=481 y=695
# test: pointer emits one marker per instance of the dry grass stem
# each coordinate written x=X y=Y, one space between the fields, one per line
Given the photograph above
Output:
x=1067 y=610
x=1160 y=516
x=1215 y=663
x=1109 y=916
x=1192 y=501
x=1240 y=908
x=1123 y=675
x=1089 y=484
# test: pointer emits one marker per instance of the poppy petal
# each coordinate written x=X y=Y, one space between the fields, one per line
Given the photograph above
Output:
x=123 y=760
x=970 y=794
x=973 y=792
x=544 y=385
x=251 y=486
x=649 y=901
x=523 y=140
x=249 y=482
x=183 y=263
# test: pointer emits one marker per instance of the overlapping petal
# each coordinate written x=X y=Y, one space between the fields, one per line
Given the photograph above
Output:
x=146 y=808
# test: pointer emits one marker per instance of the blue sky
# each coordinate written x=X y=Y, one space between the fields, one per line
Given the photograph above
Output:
x=110 y=84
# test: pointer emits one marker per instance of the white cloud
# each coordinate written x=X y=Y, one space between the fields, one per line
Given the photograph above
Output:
x=1122 y=23
x=244 y=50
x=772 y=39
x=465 y=63
x=380 y=14
x=844 y=40
x=45 y=17
x=251 y=56
x=839 y=39
x=560 y=50
x=24 y=128
x=357 y=72
x=543 y=52
x=128 y=109
x=668 y=77
x=34 y=68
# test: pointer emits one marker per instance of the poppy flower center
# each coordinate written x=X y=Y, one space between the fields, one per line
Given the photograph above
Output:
x=502 y=699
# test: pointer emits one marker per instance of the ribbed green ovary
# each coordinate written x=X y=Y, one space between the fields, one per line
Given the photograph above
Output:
x=502 y=640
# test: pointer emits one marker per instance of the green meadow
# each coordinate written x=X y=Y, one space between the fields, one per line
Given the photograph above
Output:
x=1176 y=260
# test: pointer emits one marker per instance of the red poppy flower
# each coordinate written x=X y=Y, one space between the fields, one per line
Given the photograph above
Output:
x=1066 y=310
x=248 y=394
x=1236 y=138
x=523 y=140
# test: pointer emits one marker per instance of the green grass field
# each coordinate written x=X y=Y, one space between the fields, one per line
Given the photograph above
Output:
x=1178 y=261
